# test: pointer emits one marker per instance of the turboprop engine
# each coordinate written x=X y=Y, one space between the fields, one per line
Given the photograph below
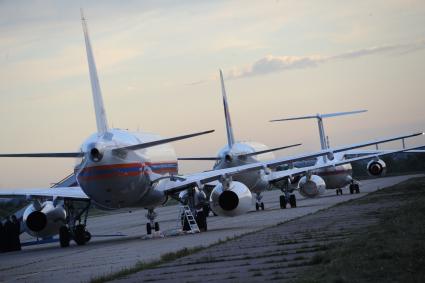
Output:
x=233 y=201
x=376 y=168
x=44 y=219
x=311 y=186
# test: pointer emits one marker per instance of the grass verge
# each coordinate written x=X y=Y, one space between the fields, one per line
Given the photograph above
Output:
x=392 y=251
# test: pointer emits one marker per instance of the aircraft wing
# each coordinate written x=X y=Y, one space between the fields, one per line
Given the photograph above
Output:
x=352 y=153
x=74 y=193
x=199 y=179
x=279 y=175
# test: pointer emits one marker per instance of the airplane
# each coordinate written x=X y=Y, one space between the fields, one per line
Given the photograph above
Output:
x=237 y=153
x=120 y=168
x=332 y=177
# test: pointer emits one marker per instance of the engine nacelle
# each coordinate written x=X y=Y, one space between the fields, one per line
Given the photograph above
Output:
x=376 y=168
x=311 y=187
x=44 y=220
x=236 y=200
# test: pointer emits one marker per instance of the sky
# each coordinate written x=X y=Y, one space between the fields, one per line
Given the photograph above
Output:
x=158 y=65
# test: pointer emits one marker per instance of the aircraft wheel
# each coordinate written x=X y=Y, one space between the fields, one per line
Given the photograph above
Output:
x=64 y=237
x=262 y=206
x=87 y=236
x=337 y=192
x=257 y=207
x=156 y=226
x=80 y=235
x=357 y=189
x=201 y=220
x=282 y=200
x=148 y=229
x=351 y=189
x=206 y=209
x=292 y=201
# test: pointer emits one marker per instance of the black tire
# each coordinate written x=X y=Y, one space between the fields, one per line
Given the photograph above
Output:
x=282 y=200
x=337 y=192
x=201 y=220
x=64 y=237
x=206 y=209
x=262 y=206
x=87 y=236
x=292 y=201
x=80 y=235
x=257 y=207
x=351 y=189
x=148 y=229
x=156 y=226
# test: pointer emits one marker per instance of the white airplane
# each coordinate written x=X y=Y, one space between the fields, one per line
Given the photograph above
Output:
x=336 y=177
x=237 y=153
x=120 y=168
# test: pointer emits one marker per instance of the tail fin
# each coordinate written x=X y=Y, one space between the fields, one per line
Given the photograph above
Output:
x=101 y=121
x=323 y=142
x=229 y=129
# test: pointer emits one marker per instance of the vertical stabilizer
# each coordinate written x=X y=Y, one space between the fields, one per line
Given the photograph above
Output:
x=229 y=129
x=324 y=140
x=101 y=121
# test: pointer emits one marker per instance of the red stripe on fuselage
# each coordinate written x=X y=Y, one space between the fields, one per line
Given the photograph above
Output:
x=135 y=166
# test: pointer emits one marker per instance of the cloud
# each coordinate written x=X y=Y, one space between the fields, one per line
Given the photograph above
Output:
x=272 y=64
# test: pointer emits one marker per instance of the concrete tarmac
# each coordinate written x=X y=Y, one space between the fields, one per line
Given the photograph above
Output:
x=48 y=263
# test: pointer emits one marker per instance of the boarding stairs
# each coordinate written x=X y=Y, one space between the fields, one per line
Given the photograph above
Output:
x=186 y=214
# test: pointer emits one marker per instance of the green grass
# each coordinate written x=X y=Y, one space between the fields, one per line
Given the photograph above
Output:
x=392 y=251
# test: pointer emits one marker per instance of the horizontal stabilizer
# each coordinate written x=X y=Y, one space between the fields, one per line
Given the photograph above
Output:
x=163 y=141
x=320 y=116
x=54 y=154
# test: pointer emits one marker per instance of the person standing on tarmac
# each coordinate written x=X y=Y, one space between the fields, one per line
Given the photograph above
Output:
x=8 y=231
x=16 y=242
x=2 y=238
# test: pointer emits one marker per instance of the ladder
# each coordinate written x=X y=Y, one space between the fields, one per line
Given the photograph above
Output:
x=186 y=212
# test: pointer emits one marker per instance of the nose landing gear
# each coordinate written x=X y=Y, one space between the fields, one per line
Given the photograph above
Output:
x=259 y=204
x=151 y=215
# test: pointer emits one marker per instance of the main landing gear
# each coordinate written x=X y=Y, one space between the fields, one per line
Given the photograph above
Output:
x=259 y=204
x=338 y=191
x=287 y=198
x=151 y=215
x=354 y=188
x=76 y=224
x=288 y=195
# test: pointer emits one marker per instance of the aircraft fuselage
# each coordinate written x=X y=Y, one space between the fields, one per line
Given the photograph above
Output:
x=255 y=181
x=123 y=179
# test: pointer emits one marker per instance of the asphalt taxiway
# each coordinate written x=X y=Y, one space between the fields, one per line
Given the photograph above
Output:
x=103 y=255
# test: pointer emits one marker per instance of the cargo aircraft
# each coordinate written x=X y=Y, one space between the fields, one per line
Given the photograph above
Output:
x=119 y=168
